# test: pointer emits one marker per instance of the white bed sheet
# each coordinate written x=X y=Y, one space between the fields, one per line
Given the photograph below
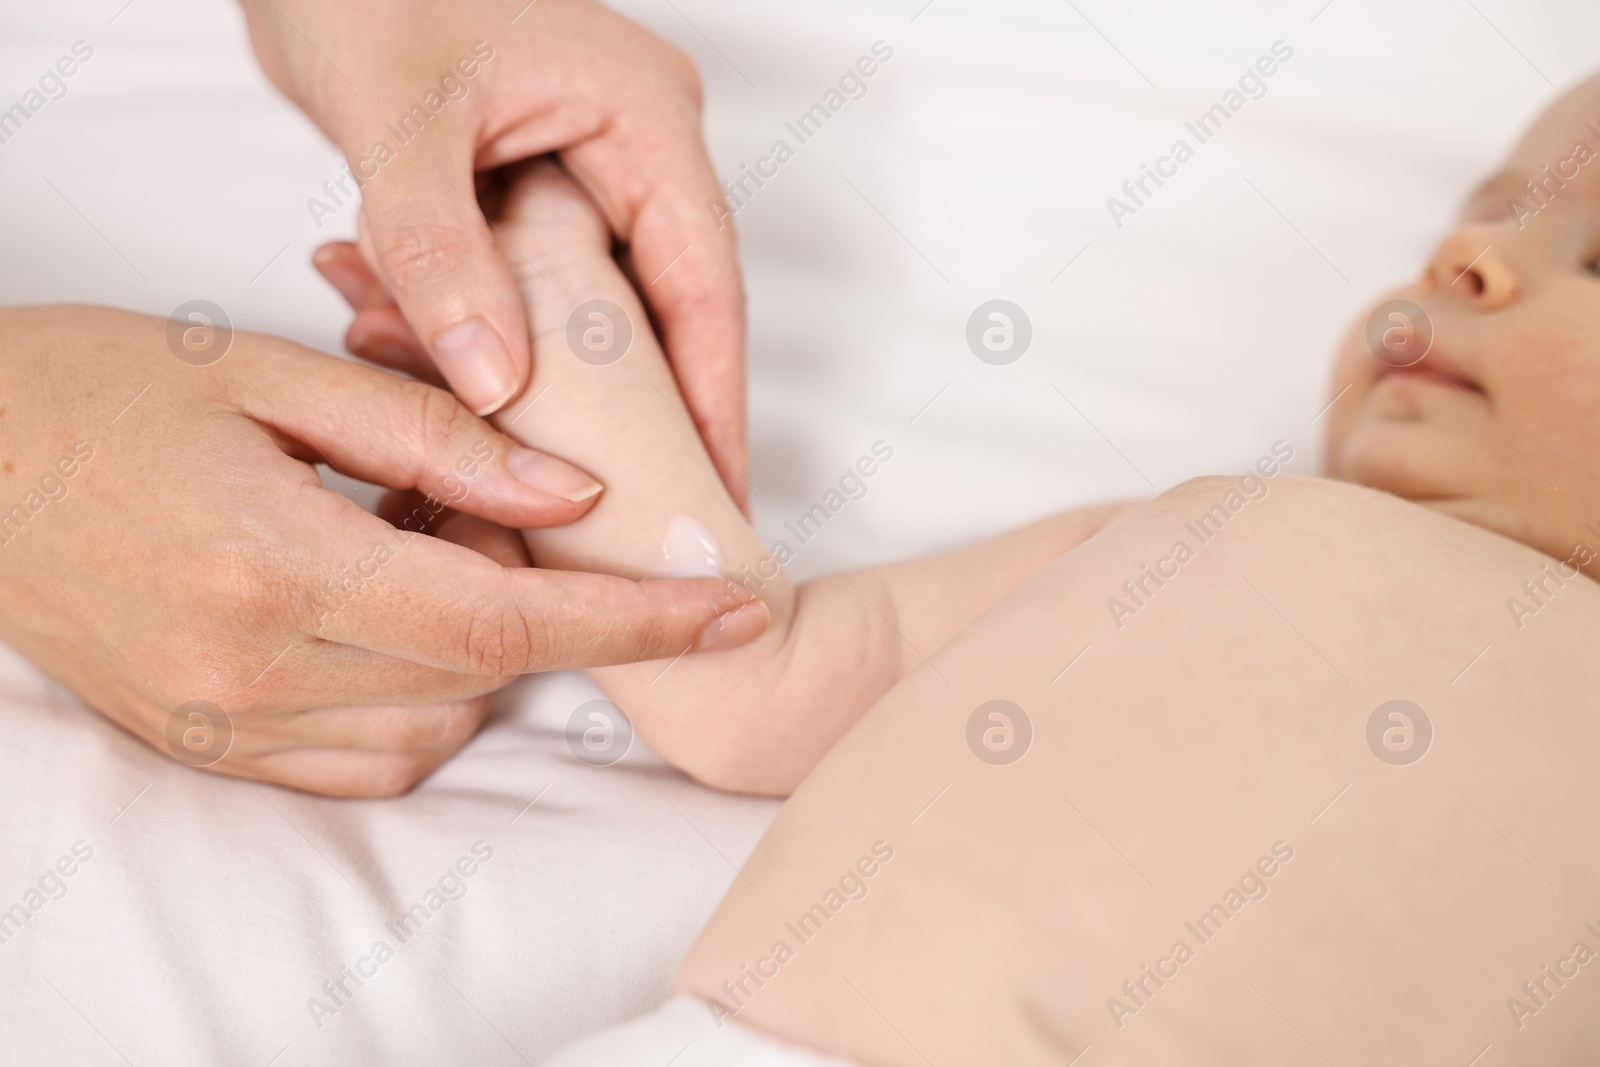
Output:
x=977 y=166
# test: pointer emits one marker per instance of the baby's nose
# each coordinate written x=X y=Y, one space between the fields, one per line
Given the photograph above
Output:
x=1469 y=267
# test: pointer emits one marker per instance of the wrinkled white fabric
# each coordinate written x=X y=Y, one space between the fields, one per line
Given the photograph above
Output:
x=682 y=1033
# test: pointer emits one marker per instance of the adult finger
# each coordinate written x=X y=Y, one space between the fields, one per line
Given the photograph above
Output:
x=397 y=506
x=384 y=337
x=434 y=253
x=374 y=727
x=341 y=264
x=406 y=435
x=339 y=772
x=440 y=605
x=316 y=670
x=379 y=332
x=505 y=546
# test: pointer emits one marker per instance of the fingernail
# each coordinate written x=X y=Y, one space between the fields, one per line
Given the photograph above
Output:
x=475 y=362
x=548 y=474
x=737 y=627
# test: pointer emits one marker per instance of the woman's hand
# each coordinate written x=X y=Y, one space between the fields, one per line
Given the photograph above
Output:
x=165 y=540
x=419 y=96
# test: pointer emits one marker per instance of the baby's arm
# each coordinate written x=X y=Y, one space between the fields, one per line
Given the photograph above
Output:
x=755 y=717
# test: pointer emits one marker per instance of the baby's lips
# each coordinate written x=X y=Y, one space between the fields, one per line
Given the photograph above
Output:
x=734 y=628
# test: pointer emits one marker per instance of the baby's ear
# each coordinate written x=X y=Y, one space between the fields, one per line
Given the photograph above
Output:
x=540 y=195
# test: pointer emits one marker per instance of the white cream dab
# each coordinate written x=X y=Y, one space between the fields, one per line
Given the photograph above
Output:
x=690 y=550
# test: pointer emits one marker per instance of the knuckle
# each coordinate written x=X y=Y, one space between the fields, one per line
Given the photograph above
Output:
x=439 y=416
x=251 y=579
x=664 y=75
x=394 y=776
x=683 y=70
x=204 y=671
x=444 y=727
x=504 y=643
x=715 y=311
x=413 y=730
x=452 y=728
x=423 y=253
x=654 y=638
x=456 y=724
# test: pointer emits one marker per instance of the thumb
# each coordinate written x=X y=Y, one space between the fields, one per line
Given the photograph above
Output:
x=432 y=248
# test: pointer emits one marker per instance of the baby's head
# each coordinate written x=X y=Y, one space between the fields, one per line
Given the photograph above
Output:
x=1499 y=423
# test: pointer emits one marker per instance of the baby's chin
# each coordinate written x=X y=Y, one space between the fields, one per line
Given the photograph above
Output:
x=1422 y=463
x=1389 y=455
x=1374 y=428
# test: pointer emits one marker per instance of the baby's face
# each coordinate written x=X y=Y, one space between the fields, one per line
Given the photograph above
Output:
x=1499 y=423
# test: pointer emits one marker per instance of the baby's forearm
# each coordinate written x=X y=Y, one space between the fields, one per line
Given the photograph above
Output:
x=607 y=401
x=757 y=716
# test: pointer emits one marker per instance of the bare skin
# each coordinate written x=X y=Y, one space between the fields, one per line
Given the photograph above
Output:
x=1205 y=731
x=165 y=538
x=1211 y=757
x=758 y=717
x=1226 y=725
x=1496 y=424
x=490 y=83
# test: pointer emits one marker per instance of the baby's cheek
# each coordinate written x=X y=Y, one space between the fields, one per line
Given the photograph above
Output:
x=1558 y=435
x=1561 y=403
